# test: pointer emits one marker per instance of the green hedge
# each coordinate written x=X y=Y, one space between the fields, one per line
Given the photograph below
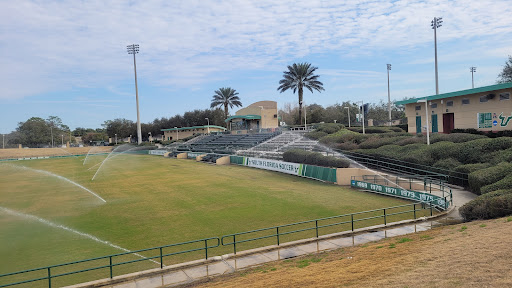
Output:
x=488 y=206
x=448 y=163
x=469 y=168
x=505 y=183
x=314 y=158
x=481 y=178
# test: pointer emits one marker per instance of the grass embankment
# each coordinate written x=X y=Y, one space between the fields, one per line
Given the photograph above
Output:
x=475 y=254
x=154 y=201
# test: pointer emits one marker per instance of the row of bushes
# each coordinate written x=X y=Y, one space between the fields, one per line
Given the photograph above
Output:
x=314 y=158
x=488 y=206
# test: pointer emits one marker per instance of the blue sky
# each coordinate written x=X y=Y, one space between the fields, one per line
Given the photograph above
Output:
x=69 y=59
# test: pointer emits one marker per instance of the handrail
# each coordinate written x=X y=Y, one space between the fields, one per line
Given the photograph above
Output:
x=458 y=177
x=233 y=237
x=50 y=276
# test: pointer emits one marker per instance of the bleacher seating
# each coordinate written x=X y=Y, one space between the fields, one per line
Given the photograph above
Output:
x=226 y=143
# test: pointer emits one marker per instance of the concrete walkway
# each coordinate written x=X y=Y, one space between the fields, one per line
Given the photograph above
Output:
x=230 y=263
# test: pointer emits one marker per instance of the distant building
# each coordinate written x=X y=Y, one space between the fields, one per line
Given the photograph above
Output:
x=184 y=132
x=257 y=117
x=487 y=108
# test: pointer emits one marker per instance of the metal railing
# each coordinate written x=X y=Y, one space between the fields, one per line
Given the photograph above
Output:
x=316 y=224
x=400 y=166
x=111 y=263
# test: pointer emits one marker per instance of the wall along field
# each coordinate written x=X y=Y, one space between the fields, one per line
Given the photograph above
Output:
x=150 y=201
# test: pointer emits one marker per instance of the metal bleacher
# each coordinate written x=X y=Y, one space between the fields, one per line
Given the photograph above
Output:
x=226 y=143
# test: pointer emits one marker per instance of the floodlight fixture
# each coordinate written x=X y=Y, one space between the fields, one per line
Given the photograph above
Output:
x=436 y=23
x=472 y=69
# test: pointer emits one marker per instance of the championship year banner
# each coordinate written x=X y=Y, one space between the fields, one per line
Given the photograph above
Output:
x=402 y=193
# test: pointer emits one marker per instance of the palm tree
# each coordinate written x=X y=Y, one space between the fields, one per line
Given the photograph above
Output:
x=297 y=77
x=226 y=97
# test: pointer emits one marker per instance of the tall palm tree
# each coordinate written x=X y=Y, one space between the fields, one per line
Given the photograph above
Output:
x=297 y=77
x=226 y=97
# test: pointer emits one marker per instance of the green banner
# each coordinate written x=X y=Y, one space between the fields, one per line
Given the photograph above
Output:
x=401 y=193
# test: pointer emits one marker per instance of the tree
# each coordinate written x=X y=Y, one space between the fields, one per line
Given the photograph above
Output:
x=506 y=75
x=296 y=78
x=226 y=97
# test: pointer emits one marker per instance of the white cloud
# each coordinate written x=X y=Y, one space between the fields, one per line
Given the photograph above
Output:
x=50 y=45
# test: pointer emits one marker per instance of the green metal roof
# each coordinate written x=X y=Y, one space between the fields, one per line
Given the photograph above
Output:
x=194 y=127
x=248 y=117
x=458 y=93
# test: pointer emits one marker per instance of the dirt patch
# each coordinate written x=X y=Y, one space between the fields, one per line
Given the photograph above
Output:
x=39 y=152
x=475 y=254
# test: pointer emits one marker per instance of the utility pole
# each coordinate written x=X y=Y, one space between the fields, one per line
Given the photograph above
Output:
x=134 y=49
x=389 y=97
x=436 y=23
x=473 y=70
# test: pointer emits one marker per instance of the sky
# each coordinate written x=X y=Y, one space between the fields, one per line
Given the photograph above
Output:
x=69 y=58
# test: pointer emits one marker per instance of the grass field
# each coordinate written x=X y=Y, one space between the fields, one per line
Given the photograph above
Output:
x=151 y=201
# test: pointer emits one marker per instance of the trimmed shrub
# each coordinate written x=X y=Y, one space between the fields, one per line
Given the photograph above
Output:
x=505 y=183
x=472 y=151
x=500 y=156
x=316 y=134
x=314 y=158
x=411 y=140
x=455 y=138
x=491 y=205
x=347 y=146
x=376 y=141
x=468 y=168
x=443 y=150
x=329 y=128
x=337 y=137
x=497 y=144
x=448 y=163
x=487 y=176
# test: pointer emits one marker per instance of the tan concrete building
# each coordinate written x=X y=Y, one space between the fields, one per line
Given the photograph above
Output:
x=487 y=108
x=184 y=132
x=256 y=117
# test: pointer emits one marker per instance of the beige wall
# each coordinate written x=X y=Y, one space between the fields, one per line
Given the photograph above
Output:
x=187 y=133
x=465 y=116
x=268 y=114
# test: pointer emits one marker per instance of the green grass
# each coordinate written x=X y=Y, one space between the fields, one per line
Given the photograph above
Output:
x=153 y=201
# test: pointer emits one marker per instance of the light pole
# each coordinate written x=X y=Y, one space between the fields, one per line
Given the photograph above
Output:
x=362 y=108
x=305 y=117
x=436 y=23
x=426 y=117
x=348 y=115
x=473 y=70
x=116 y=139
x=62 y=144
x=150 y=138
x=51 y=132
x=3 y=141
x=208 y=124
x=134 y=49
x=177 y=135
x=389 y=97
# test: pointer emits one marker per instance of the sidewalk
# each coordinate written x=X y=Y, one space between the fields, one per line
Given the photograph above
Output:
x=229 y=263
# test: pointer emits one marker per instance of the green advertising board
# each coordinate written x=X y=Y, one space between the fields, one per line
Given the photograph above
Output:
x=402 y=193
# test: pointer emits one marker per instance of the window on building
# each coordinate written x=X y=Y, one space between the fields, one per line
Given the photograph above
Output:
x=449 y=103
x=484 y=99
x=433 y=105
x=504 y=96
x=465 y=101
x=418 y=107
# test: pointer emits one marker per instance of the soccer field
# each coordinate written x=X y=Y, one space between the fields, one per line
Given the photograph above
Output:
x=150 y=201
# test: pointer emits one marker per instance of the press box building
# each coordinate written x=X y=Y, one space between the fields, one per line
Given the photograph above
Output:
x=487 y=108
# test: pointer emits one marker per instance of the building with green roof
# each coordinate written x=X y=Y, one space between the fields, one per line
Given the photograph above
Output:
x=257 y=117
x=485 y=108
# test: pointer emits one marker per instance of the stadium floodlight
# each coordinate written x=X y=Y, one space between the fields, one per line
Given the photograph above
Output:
x=472 y=69
x=436 y=23
x=389 y=97
x=426 y=116
x=208 y=124
x=134 y=49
